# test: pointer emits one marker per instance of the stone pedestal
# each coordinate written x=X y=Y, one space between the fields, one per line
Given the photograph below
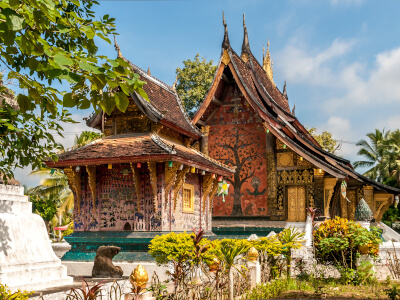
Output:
x=255 y=273
x=27 y=260
x=364 y=224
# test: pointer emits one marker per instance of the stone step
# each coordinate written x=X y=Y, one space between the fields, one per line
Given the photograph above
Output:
x=11 y=189
x=15 y=207
x=37 y=278
x=21 y=198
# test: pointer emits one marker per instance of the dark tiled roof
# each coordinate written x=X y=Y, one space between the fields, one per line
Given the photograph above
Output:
x=165 y=99
x=135 y=146
x=269 y=86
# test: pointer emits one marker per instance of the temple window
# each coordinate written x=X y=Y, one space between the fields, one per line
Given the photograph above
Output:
x=188 y=198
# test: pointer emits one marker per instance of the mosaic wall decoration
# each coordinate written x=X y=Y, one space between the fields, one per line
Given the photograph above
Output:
x=117 y=202
x=242 y=146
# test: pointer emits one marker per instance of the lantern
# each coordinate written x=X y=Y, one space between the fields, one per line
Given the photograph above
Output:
x=139 y=165
x=192 y=170
x=252 y=254
x=220 y=178
x=213 y=176
x=170 y=163
x=301 y=158
x=77 y=169
x=284 y=146
x=223 y=188
x=109 y=166
x=139 y=276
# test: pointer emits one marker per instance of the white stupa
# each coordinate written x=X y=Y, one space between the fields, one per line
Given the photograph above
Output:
x=27 y=260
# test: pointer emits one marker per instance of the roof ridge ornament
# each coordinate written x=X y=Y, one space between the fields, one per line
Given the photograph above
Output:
x=245 y=46
x=148 y=71
x=225 y=42
x=293 y=110
x=284 y=92
x=175 y=83
x=116 y=46
x=267 y=65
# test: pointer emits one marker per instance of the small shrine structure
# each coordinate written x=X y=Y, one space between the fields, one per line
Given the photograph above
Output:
x=281 y=170
x=147 y=175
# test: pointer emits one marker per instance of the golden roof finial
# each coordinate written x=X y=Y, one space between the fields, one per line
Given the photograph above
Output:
x=175 y=83
x=267 y=65
x=263 y=52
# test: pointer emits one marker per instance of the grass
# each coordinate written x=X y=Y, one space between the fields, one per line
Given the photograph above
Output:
x=294 y=289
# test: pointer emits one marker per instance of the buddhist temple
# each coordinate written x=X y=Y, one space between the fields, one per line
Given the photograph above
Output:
x=281 y=170
x=145 y=176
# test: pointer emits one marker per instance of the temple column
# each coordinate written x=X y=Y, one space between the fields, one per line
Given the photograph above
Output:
x=369 y=197
x=329 y=186
x=382 y=203
x=205 y=130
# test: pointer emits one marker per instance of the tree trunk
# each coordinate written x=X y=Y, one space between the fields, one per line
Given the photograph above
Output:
x=288 y=266
x=237 y=203
x=230 y=274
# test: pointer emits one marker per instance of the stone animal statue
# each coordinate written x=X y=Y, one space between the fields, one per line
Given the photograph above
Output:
x=103 y=266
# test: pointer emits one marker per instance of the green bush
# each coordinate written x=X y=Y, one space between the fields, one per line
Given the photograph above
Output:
x=6 y=294
x=340 y=241
x=275 y=288
x=175 y=246
x=69 y=230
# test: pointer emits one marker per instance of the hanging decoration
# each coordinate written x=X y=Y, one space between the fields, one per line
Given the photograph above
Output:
x=223 y=188
x=343 y=189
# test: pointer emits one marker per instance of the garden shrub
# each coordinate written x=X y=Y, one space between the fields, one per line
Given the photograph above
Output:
x=274 y=288
x=5 y=293
x=270 y=250
x=341 y=242
x=69 y=230
x=175 y=247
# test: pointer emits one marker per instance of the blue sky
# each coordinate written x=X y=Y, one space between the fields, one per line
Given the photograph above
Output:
x=340 y=58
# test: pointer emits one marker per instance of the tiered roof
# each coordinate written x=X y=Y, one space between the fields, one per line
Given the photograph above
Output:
x=165 y=108
x=273 y=107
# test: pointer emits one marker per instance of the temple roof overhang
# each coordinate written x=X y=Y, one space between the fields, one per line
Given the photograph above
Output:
x=164 y=106
x=138 y=147
x=272 y=106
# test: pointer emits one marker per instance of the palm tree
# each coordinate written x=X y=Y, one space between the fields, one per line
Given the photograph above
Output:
x=376 y=154
x=291 y=238
x=86 y=137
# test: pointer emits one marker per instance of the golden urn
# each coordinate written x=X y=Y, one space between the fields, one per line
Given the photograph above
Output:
x=214 y=264
x=139 y=276
x=252 y=254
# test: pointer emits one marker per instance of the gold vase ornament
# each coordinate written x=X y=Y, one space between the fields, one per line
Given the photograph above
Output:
x=214 y=264
x=252 y=254
x=139 y=276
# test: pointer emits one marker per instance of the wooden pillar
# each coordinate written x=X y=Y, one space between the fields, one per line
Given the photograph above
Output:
x=205 y=130
x=329 y=186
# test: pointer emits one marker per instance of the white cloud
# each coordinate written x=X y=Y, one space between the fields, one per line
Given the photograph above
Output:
x=301 y=65
x=348 y=99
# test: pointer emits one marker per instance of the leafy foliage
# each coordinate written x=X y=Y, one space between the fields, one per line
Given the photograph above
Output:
x=194 y=80
x=341 y=241
x=175 y=247
x=47 y=42
x=325 y=139
x=45 y=207
x=6 y=294
x=291 y=238
x=86 y=137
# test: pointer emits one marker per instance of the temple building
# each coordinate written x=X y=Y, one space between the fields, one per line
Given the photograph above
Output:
x=145 y=176
x=281 y=170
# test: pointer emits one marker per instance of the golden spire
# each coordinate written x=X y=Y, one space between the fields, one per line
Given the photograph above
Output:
x=267 y=65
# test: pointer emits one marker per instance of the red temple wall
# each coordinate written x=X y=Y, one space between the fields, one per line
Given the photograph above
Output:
x=237 y=138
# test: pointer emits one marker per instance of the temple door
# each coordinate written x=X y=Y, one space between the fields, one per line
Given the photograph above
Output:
x=297 y=204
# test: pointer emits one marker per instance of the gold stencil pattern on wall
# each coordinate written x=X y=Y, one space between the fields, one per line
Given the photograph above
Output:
x=153 y=181
x=296 y=176
x=271 y=174
x=279 y=201
x=136 y=180
x=285 y=159
x=92 y=183
x=280 y=144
